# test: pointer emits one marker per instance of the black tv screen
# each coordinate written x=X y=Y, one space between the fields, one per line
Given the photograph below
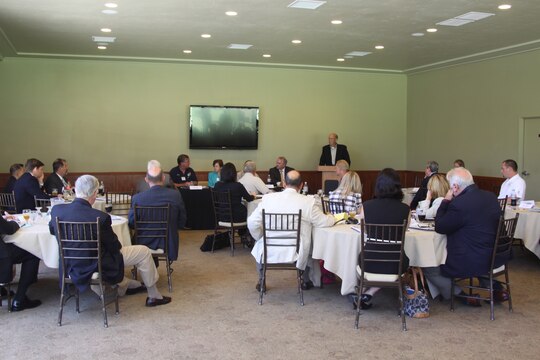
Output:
x=223 y=127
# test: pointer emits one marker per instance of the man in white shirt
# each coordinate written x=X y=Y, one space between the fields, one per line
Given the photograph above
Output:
x=513 y=183
x=289 y=201
x=252 y=183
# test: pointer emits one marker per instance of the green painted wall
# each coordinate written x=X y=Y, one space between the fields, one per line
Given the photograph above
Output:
x=472 y=111
x=115 y=116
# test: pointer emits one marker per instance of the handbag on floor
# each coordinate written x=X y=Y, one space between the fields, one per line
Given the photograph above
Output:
x=416 y=303
x=222 y=241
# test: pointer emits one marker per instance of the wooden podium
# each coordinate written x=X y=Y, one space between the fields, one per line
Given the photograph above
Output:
x=328 y=173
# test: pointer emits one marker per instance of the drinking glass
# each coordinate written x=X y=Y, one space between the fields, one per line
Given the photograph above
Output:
x=54 y=192
x=26 y=215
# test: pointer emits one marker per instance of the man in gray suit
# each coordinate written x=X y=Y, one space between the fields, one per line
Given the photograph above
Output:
x=158 y=195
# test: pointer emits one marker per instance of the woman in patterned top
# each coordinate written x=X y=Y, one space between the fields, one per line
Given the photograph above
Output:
x=350 y=191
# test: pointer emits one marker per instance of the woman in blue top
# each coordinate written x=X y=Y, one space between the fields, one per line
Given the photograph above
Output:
x=213 y=176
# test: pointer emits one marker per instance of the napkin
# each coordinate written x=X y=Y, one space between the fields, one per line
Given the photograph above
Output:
x=421 y=226
x=526 y=204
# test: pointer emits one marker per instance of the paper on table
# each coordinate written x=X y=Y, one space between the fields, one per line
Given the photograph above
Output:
x=421 y=226
x=526 y=204
x=195 y=187
x=115 y=217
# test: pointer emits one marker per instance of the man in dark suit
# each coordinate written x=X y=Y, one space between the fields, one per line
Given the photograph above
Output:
x=278 y=173
x=469 y=218
x=432 y=168
x=158 y=195
x=57 y=180
x=333 y=152
x=28 y=186
x=11 y=254
x=16 y=171
x=114 y=255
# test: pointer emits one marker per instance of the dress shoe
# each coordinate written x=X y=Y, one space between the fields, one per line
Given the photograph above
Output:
x=501 y=295
x=151 y=302
x=365 y=301
x=258 y=287
x=24 y=304
x=307 y=285
x=471 y=301
x=136 y=290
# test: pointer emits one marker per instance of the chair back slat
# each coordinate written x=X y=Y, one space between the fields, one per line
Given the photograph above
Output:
x=7 y=202
x=333 y=206
x=281 y=230
x=152 y=222
x=120 y=201
x=42 y=203
x=221 y=201
x=503 y=242
x=503 y=203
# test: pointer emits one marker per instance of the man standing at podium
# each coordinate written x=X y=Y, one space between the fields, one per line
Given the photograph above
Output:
x=333 y=152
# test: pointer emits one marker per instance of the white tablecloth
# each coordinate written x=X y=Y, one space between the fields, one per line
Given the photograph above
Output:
x=408 y=195
x=528 y=227
x=37 y=240
x=339 y=247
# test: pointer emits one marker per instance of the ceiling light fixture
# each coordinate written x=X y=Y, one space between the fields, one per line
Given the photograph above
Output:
x=336 y=22
x=417 y=34
x=267 y=55
x=306 y=4
x=206 y=36
x=106 y=30
x=358 y=53
x=111 y=5
x=102 y=47
x=340 y=59
x=109 y=12
x=379 y=47
x=239 y=46
x=187 y=51
x=103 y=39
x=296 y=41
x=504 y=7
x=431 y=30
x=231 y=13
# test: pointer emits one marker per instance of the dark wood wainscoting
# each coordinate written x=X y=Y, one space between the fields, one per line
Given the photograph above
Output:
x=126 y=181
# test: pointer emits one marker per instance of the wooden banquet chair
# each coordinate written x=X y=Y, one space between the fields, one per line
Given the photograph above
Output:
x=501 y=250
x=79 y=243
x=7 y=287
x=120 y=201
x=515 y=242
x=333 y=206
x=502 y=204
x=7 y=202
x=42 y=203
x=223 y=213
x=381 y=245
x=280 y=231
x=152 y=223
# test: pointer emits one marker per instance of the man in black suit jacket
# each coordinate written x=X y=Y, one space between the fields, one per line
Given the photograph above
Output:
x=16 y=171
x=11 y=254
x=28 y=186
x=469 y=217
x=57 y=179
x=432 y=168
x=341 y=152
x=278 y=173
x=114 y=256
x=158 y=195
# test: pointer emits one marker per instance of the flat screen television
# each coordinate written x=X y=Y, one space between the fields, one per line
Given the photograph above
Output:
x=223 y=127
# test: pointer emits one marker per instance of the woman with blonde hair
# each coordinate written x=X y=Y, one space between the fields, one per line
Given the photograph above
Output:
x=437 y=187
x=350 y=191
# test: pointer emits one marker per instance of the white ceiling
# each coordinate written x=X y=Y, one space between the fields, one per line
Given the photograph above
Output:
x=160 y=30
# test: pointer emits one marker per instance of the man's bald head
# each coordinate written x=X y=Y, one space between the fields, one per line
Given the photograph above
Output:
x=293 y=179
x=154 y=173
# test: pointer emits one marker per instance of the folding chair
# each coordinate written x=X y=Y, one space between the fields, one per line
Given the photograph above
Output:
x=224 y=217
x=333 y=206
x=7 y=202
x=120 y=201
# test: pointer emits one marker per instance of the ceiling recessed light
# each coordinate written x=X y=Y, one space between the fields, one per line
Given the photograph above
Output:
x=358 y=53
x=336 y=22
x=102 y=47
x=187 y=51
x=104 y=39
x=306 y=4
x=109 y=11
x=296 y=41
x=505 y=7
x=239 y=46
x=431 y=30
x=267 y=55
x=340 y=59
x=231 y=13
x=111 y=5
x=206 y=36
x=106 y=30
x=348 y=57
x=379 y=47
x=417 y=34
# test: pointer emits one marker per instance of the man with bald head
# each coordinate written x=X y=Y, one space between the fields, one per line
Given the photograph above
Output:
x=469 y=218
x=334 y=152
x=158 y=195
x=290 y=201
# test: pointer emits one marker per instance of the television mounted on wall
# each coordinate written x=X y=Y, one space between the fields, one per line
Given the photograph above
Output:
x=223 y=127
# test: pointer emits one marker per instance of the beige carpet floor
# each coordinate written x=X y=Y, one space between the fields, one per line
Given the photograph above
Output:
x=215 y=315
